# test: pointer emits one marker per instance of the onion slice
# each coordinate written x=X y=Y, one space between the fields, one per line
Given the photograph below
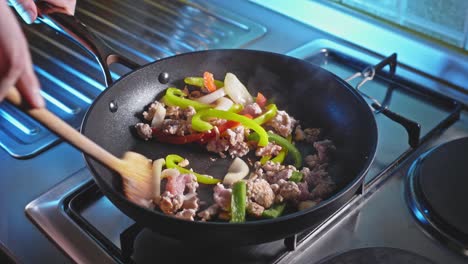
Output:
x=224 y=104
x=159 y=115
x=236 y=90
x=211 y=97
x=157 y=169
x=236 y=172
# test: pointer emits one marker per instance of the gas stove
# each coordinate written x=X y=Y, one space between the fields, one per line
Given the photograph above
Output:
x=68 y=219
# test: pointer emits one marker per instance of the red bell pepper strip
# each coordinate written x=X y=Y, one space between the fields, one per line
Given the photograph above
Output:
x=208 y=81
x=190 y=138
x=261 y=100
x=221 y=129
x=177 y=140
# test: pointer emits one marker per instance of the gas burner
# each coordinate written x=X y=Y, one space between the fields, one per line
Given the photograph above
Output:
x=437 y=193
x=377 y=255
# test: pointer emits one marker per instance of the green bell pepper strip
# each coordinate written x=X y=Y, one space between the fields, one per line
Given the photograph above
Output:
x=270 y=112
x=274 y=211
x=198 y=81
x=236 y=108
x=284 y=143
x=200 y=125
x=172 y=161
x=283 y=153
x=296 y=176
x=280 y=157
x=238 y=202
x=264 y=159
x=174 y=97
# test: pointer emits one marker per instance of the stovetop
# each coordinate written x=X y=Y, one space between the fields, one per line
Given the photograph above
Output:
x=66 y=207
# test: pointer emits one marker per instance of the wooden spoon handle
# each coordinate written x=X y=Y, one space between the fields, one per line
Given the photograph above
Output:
x=66 y=132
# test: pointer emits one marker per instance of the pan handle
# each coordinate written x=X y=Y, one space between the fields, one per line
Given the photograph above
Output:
x=75 y=30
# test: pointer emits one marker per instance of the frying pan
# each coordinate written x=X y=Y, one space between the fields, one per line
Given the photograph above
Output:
x=311 y=94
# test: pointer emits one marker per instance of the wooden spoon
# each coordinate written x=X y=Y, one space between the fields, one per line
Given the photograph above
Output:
x=135 y=169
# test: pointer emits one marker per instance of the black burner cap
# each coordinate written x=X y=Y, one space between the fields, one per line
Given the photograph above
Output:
x=440 y=186
x=377 y=255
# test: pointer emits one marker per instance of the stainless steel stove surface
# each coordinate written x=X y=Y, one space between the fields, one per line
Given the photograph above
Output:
x=64 y=204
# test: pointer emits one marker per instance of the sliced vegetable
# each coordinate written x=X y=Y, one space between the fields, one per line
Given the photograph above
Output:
x=260 y=100
x=208 y=81
x=270 y=112
x=236 y=172
x=280 y=157
x=306 y=204
x=221 y=128
x=170 y=173
x=211 y=97
x=172 y=161
x=177 y=140
x=238 y=202
x=224 y=104
x=200 y=82
x=236 y=90
x=274 y=211
x=236 y=108
x=200 y=125
x=158 y=117
x=284 y=143
x=249 y=116
x=175 y=97
x=264 y=159
x=157 y=169
x=296 y=176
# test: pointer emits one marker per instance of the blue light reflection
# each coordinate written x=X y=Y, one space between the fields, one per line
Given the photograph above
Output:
x=15 y=122
x=56 y=102
x=62 y=85
x=71 y=70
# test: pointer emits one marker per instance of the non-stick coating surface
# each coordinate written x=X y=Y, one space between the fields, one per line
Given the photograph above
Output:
x=314 y=96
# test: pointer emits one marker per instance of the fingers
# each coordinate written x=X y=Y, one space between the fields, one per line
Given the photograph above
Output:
x=62 y=6
x=21 y=75
x=28 y=86
x=26 y=9
x=15 y=60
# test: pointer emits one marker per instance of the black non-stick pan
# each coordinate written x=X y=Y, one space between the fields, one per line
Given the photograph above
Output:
x=314 y=96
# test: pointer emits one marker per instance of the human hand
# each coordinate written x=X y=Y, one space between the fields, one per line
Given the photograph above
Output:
x=16 y=65
x=28 y=10
x=15 y=61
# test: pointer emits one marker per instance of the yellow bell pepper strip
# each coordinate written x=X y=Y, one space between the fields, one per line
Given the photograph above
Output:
x=200 y=82
x=270 y=112
x=175 y=97
x=296 y=176
x=238 y=202
x=284 y=143
x=274 y=211
x=200 y=125
x=172 y=161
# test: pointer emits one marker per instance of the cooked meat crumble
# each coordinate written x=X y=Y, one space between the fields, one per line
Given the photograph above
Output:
x=260 y=196
x=270 y=182
x=282 y=123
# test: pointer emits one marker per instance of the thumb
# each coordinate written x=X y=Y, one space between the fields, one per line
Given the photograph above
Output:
x=26 y=9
